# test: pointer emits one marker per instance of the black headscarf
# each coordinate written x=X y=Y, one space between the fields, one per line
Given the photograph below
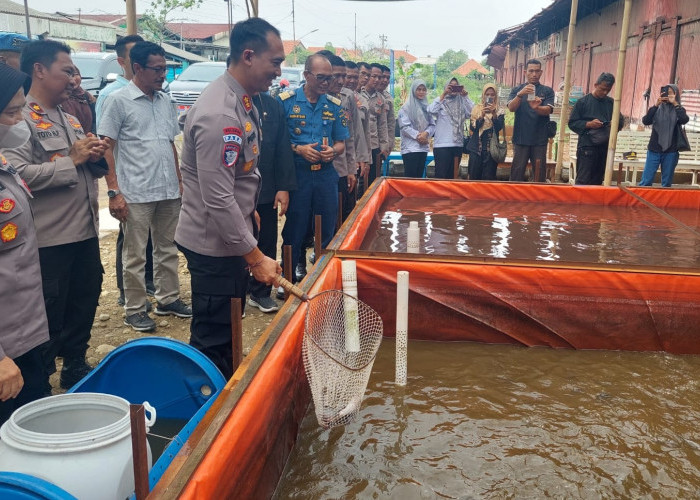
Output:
x=10 y=82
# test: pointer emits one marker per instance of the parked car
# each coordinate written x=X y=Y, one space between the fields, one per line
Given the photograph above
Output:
x=293 y=74
x=97 y=69
x=188 y=85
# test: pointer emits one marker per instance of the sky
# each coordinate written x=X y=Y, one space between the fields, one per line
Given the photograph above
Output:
x=423 y=27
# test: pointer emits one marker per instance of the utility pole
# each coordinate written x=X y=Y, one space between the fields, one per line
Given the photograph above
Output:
x=355 y=34
x=130 y=17
x=294 y=28
x=383 y=38
x=26 y=19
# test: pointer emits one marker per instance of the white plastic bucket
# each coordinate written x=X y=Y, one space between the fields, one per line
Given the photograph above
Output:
x=80 y=442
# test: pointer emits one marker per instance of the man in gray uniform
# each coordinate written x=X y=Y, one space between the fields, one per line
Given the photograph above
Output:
x=389 y=105
x=217 y=228
x=377 y=120
x=61 y=164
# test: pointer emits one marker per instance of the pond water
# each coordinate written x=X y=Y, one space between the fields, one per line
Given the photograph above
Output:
x=487 y=421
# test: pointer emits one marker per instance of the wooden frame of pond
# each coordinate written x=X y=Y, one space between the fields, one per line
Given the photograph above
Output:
x=241 y=445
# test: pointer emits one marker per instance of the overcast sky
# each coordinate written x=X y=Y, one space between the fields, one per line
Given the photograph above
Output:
x=424 y=27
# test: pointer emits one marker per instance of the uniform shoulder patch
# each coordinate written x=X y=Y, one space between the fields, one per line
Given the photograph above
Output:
x=286 y=95
x=333 y=99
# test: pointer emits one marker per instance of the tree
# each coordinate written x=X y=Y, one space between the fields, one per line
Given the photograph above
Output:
x=451 y=60
x=297 y=56
x=156 y=17
x=329 y=46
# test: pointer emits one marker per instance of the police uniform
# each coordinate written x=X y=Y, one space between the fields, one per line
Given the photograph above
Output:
x=317 y=184
x=376 y=112
x=355 y=149
x=221 y=184
x=65 y=211
x=390 y=119
x=23 y=316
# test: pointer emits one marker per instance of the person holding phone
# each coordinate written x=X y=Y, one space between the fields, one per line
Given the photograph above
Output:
x=532 y=104
x=665 y=119
x=417 y=126
x=450 y=112
x=590 y=119
x=487 y=118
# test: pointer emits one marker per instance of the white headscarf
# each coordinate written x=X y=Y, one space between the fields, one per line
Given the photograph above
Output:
x=417 y=109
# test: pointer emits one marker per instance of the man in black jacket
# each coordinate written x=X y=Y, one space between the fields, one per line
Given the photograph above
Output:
x=278 y=178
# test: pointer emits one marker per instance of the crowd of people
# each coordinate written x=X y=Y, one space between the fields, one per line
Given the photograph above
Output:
x=246 y=158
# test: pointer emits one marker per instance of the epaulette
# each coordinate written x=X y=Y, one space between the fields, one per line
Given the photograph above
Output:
x=333 y=99
x=286 y=95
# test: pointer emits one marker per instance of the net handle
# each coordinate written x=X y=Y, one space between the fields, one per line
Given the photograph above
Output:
x=292 y=288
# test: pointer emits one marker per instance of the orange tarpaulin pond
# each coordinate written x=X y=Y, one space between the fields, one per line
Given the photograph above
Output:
x=587 y=294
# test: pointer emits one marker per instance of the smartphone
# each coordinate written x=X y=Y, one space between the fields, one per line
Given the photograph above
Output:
x=664 y=91
x=456 y=88
x=489 y=100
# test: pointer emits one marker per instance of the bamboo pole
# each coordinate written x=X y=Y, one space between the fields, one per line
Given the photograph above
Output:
x=567 y=91
x=236 y=332
x=619 y=81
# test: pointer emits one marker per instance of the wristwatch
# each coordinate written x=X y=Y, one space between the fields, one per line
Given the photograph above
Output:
x=112 y=193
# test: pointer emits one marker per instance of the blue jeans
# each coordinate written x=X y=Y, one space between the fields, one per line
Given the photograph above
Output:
x=668 y=162
x=316 y=194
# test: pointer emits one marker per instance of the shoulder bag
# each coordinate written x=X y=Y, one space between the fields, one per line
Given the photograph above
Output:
x=498 y=149
x=683 y=142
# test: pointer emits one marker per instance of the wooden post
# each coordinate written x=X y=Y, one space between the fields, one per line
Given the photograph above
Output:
x=317 y=236
x=538 y=169
x=131 y=27
x=619 y=82
x=236 y=332
x=340 y=212
x=288 y=266
x=139 y=450
x=563 y=117
x=619 y=175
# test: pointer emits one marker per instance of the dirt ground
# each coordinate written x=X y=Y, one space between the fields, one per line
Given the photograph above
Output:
x=109 y=330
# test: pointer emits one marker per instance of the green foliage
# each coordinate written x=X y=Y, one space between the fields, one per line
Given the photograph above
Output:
x=451 y=60
x=329 y=46
x=157 y=14
x=297 y=56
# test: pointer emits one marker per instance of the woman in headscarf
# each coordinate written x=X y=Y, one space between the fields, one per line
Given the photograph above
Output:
x=486 y=119
x=417 y=126
x=81 y=104
x=23 y=375
x=665 y=119
x=450 y=111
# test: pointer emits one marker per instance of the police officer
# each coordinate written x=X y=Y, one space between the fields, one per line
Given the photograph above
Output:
x=11 y=44
x=376 y=110
x=217 y=228
x=362 y=149
x=318 y=136
x=23 y=376
x=389 y=106
x=61 y=164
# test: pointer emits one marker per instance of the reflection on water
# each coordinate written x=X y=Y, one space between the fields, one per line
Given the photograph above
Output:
x=484 y=421
x=538 y=231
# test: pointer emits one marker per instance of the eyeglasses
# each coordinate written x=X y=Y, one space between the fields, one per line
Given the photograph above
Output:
x=323 y=78
x=157 y=69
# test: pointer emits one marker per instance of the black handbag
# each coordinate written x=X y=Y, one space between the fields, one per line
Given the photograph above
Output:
x=498 y=149
x=551 y=128
x=683 y=142
x=599 y=136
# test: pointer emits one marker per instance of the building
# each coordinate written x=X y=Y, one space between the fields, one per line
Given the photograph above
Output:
x=663 y=34
x=469 y=66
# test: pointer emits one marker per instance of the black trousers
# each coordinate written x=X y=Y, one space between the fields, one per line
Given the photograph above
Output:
x=482 y=167
x=348 y=198
x=36 y=382
x=119 y=266
x=414 y=164
x=215 y=281
x=72 y=280
x=267 y=243
x=445 y=161
x=524 y=154
x=590 y=164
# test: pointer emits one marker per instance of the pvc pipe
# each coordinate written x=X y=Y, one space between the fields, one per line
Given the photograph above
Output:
x=352 y=323
x=401 y=326
x=413 y=237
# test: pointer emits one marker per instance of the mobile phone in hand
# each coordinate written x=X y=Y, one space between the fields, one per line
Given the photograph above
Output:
x=489 y=100
x=456 y=88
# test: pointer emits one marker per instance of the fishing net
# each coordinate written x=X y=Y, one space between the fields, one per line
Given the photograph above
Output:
x=341 y=338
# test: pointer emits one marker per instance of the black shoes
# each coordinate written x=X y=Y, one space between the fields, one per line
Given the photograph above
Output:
x=74 y=370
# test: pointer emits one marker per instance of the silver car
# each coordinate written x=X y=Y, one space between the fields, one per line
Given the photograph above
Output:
x=187 y=87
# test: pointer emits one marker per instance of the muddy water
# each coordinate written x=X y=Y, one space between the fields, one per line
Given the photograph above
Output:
x=539 y=231
x=485 y=421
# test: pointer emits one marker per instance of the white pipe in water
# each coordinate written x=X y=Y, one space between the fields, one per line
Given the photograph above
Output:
x=352 y=323
x=401 y=326
x=413 y=237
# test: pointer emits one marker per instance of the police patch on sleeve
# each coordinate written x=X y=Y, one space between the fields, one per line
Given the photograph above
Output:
x=233 y=135
x=229 y=156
